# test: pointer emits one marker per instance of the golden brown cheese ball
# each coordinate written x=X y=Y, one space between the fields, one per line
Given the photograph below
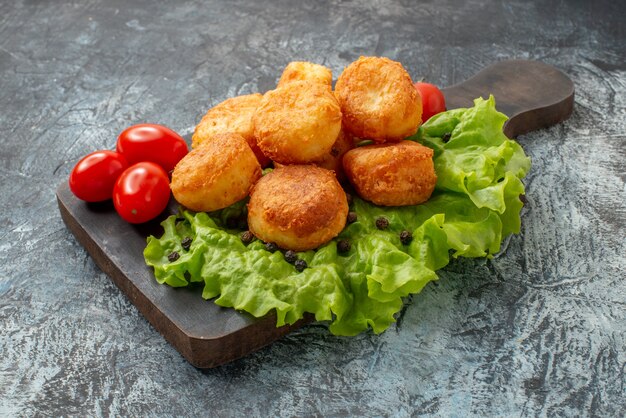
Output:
x=397 y=174
x=333 y=160
x=297 y=123
x=215 y=174
x=298 y=207
x=306 y=71
x=232 y=115
x=378 y=100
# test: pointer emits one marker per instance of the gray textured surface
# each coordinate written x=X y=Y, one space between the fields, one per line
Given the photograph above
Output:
x=538 y=331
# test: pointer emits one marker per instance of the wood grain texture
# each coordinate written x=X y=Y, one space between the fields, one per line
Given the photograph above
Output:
x=538 y=331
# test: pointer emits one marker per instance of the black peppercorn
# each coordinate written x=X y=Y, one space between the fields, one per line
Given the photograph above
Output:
x=343 y=246
x=291 y=256
x=351 y=217
x=246 y=237
x=382 y=222
x=300 y=265
x=406 y=237
x=186 y=243
x=271 y=247
x=446 y=137
x=173 y=256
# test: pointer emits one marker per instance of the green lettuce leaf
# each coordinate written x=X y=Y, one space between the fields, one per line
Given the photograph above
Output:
x=477 y=160
x=475 y=205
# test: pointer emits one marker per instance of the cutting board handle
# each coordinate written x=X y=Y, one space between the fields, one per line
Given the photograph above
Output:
x=532 y=94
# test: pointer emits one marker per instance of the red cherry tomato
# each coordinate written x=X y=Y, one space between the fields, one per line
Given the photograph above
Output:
x=141 y=192
x=433 y=101
x=94 y=176
x=149 y=142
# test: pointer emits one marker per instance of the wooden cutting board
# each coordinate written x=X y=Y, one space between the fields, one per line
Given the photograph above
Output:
x=534 y=95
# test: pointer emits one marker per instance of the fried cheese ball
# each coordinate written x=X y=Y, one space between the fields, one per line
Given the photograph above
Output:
x=397 y=174
x=378 y=100
x=297 y=123
x=306 y=71
x=215 y=174
x=333 y=160
x=298 y=207
x=231 y=115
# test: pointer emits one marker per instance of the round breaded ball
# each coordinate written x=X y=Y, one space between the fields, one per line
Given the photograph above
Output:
x=378 y=100
x=232 y=115
x=306 y=71
x=397 y=174
x=297 y=123
x=215 y=174
x=333 y=160
x=298 y=207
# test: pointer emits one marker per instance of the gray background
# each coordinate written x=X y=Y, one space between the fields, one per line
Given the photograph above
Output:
x=538 y=331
